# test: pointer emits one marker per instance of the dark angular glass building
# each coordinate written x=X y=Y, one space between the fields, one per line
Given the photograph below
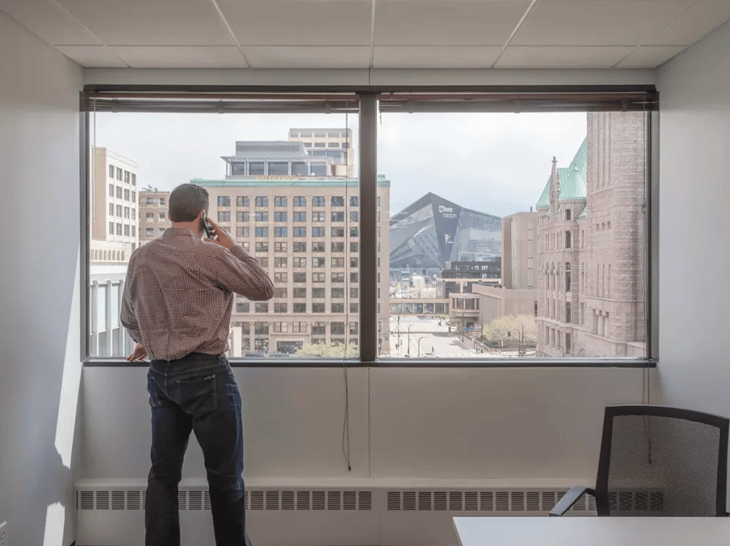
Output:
x=433 y=231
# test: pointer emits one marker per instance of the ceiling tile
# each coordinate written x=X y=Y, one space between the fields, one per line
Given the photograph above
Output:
x=699 y=20
x=649 y=56
x=307 y=56
x=435 y=56
x=299 y=22
x=92 y=56
x=561 y=57
x=181 y=56
x=151 y=22
x=597 y=23
x=48 y=22
x=446 y=22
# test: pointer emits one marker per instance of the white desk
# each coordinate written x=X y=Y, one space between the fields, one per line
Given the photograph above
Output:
x=606 y=531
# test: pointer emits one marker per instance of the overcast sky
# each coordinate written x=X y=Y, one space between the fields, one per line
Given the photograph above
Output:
x=494 y=163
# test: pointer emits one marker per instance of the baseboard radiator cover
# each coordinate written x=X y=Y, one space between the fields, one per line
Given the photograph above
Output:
x=113 y=515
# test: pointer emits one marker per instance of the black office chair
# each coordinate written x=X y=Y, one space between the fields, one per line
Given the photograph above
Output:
x=658 y=461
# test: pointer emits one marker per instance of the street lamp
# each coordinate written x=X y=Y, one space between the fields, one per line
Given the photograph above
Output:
x=418 y=345
x=521 y=339
x=408 y=340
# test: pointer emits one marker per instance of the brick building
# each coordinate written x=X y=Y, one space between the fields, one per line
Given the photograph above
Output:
x=592 y=244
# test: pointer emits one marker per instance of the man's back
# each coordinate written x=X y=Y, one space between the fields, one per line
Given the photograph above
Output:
x=178 y=298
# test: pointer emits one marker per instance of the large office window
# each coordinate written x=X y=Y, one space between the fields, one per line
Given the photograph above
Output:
x=468 y=215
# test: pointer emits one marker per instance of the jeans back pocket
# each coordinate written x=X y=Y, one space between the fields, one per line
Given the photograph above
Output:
x=198 y=396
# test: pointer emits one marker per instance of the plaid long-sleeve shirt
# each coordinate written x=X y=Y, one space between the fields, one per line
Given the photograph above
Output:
x=178 y=293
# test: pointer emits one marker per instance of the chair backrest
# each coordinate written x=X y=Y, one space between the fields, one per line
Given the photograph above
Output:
x=661 y=461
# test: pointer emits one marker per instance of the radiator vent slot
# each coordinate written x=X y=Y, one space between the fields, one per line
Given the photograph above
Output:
x=533 y=501
x=102 y=500
x=365 y=500
x=133 y=500
x=333 y=500
x=206 y=500
x=303 y=500
x=502 y=501
x=424 y=500
x=272 y=500
x=257 y=500
x=318 y=500
x=87 y=500
x=480 y=501
x=471 y=501
x=287 y=500
x=409 y=500
x=182 y=500
x=349 y=500
x=117 y=500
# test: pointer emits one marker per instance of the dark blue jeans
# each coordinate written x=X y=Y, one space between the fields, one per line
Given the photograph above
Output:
x=199 y=393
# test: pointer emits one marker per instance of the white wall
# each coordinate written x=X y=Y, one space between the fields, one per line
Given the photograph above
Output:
x=694 y=229
x=39 y=242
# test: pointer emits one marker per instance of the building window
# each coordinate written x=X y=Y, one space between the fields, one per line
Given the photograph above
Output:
x=119 y=192
x=567 y=276
x=318 y=217
x=355 y=216
x=262 y=307
x=224 y=216
x=161 y=231
x=256 y=168
x=300 y=293
x=338 y=216
x=242 y=232
x=111 y=209
x=338 y=277
x=262 y=246
x=318 y=308
x=354 y=245
x=161 y=217
x=280 y=216
x=353 y=262
x=280 y=307
x=224 y=201
x=149 y=202
x=111 y=171
x=353 y=293
x=126 y=212
x=280 y=232
x=119 y=174
x=567 y=313
x=318 y=246
x=317 y=293
x=337 y=201
x=280 y=247
x=353 y=308
x=262 y=232
x=338 y=292
x=242 y=216
x=280 y=278
x=280 y=202
x=299 y=327
x=241 y=201
x=338 y=232
x=126 y=195
x=317 y=278
x=337 y=328
x=318 y=201
x=280 y=262
x=262 y=201
x=353 y=277
x=338 y=308
x=150 y=232
x=338 y=247
x=317 y=262
x=119 y=210
x=134 y=179
x=298 y=262
x=299 y=247
x=354 y=201
x=111 y=228
x=261 y=327
x=134 y=196
x=262 y=216
x=126 y=176
x=299 y=202
x=338 y=262
x=299 y=231
x=126 y=230
x=567 y=239
x=318 y=328
x=161 y=202
x=318 y=232
x=299 y=307
x=119 y=228
x=299 y=216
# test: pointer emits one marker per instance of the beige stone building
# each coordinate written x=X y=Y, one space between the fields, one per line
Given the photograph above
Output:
x=153 y=214
x=113 y=207
x=592 y=244
x=304 y=231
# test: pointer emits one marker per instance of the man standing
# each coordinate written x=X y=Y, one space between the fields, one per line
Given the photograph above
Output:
x=177 y=306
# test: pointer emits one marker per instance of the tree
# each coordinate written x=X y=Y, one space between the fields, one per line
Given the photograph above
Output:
x=329 y=350
x=498 y=329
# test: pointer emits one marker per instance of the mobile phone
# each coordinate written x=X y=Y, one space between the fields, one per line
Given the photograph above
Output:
x=206 y=226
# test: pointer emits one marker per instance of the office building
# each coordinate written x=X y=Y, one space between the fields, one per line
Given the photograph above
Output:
x=304 y=231
x=592 y=244
x=113 y=207
x=433 y=231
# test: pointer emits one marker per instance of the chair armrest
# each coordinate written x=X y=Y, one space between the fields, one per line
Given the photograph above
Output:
x=570 y=498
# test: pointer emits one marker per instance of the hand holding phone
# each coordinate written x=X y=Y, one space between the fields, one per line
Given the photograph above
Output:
x=217 y=234
x=206 y=226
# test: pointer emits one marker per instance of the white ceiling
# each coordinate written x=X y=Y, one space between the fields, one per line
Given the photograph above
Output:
x=369 y=33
